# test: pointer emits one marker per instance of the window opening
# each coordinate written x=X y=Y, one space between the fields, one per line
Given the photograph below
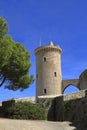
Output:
x=55 y=74
x=44 y=59
x=45 y=91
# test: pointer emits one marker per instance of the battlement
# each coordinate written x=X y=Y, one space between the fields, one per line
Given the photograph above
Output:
x=50 y=48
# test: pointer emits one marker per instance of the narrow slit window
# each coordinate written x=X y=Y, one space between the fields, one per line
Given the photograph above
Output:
x=55 y=74
x=44 y=59
x=45 y=91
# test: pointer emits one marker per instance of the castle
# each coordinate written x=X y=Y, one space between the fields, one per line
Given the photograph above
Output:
x=50 y=87
x=48 y=72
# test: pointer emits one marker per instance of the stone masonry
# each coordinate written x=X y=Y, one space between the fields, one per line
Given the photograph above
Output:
x=71 y=107
x=48 y=70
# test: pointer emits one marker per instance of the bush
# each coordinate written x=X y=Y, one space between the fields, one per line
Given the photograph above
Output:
x=25 y=110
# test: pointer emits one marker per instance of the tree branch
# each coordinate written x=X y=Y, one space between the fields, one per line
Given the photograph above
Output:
x=2 y=81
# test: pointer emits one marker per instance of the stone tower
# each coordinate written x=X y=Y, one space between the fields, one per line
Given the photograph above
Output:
x=48 y=70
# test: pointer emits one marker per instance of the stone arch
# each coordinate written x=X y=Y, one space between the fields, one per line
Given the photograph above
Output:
x=70 y=88
x=66 y=83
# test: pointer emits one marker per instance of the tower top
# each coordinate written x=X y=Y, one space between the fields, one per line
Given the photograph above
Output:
x=50 y=48
x=51 y=43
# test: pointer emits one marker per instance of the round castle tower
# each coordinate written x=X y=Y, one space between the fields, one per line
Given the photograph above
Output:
x=48 y=70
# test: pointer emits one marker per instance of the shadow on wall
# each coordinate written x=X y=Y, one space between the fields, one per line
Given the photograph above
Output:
x=53 y=111
x=74 y=111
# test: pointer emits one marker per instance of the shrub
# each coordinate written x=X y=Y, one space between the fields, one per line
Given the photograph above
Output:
x=25 y=110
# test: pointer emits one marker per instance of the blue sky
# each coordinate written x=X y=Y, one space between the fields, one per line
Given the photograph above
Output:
x=62 y=21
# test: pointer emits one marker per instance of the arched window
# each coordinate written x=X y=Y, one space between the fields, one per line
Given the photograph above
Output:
x=70 y=89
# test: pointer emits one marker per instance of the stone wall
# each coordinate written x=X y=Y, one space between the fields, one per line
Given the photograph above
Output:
x=25 y=99
x=75 y=95
x=74 y=109
x=83 y=80
x=71 y=107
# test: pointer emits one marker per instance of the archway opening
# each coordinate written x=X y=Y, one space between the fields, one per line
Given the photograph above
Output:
x=70 y=89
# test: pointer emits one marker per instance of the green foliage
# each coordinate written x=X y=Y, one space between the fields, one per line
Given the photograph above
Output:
x=14 y=61
x=3 y=27
x=25 y=110
x=5 y=107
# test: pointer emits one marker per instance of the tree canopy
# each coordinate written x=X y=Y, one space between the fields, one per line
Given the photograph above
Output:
x=14 y=61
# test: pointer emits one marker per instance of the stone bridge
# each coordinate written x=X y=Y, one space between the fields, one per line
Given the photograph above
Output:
x=66 y=83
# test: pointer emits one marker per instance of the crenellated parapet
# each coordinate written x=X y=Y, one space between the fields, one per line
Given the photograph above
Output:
x=50 y=48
